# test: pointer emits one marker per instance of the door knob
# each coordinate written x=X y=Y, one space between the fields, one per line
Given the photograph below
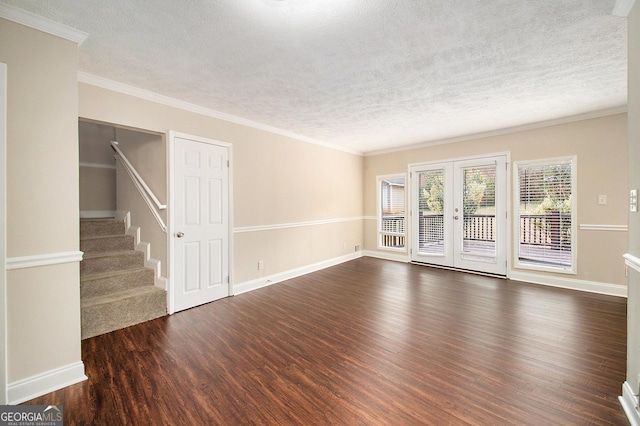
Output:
x=455 y=217
x=180 y=234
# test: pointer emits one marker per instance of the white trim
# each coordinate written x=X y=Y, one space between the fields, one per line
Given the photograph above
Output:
x=617 y=228
x=259 y=228
x=4 y=368
x=570 y=283
x=41 y=384
x=505 y=131
x=622 y=8
x=370 y=218
x=98 y=165
x=116 y=86
x=387 y=256
x=632 y=261
x=143 y=246
x=629 y=403
x=293 y=273
x=22 y=262
x=96 y=214
x=37 y=22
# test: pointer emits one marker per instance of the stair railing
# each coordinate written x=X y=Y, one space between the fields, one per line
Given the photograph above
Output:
x=147 y=194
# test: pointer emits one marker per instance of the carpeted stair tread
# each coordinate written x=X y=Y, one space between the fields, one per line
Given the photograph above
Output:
x=106 y=243
x=95 y=227
x=103 y=283
x=95 y=263
x=101 y=275
x=120 y=295
x=111 y=312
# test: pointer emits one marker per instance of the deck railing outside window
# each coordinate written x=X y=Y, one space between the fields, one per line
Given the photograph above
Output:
x=550 y=231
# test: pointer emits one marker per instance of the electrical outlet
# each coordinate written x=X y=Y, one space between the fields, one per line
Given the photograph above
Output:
x=357 y=247
x=260 y=264
x=602 y=200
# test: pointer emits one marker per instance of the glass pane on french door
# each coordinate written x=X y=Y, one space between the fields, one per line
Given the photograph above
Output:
x=431 y=204
x=479 y=210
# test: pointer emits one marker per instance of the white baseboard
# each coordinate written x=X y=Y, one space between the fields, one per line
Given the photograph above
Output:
x=387 y=256
x=553 y=281
x=41 y=384
x=570 y=283
x=629 y=403
x=287 y=275
x=96 y=214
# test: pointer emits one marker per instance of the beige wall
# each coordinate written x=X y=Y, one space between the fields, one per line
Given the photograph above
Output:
x=43 y=303
x=633 y=308
x=276 y=181
x=97 y=168
x=600 y=146
x=148 y=155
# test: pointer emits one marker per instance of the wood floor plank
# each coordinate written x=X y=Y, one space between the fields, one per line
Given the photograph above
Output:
x=367 y=342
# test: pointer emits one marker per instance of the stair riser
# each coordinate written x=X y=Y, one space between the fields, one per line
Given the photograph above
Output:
x=101 y=245
x=112 y=284
x=100 y=319
x=100 y=228
x=119 y=262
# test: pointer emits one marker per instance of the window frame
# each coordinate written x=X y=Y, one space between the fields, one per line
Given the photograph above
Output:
x=517 y=263
x=379 y=232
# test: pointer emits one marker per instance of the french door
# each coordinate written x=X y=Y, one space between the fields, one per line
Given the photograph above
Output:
x=459 y=214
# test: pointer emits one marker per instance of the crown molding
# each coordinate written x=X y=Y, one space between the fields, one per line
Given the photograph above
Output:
x=123 y=88
x=622 y=8
x=37 y=22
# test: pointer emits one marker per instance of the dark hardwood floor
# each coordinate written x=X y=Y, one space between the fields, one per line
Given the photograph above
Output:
x=368 y=342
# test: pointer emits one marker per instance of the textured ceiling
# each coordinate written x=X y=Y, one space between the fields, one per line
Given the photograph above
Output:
x=365 y=75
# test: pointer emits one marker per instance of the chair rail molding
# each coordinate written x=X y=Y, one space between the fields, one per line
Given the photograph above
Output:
x=21 y=262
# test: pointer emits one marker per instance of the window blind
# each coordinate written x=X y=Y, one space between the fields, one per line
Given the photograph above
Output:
x=546 y=213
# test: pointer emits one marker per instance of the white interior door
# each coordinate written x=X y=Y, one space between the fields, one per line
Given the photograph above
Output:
x=199 y=222
x=459 y=214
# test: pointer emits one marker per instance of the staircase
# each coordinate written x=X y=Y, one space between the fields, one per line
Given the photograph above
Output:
x=116 y=290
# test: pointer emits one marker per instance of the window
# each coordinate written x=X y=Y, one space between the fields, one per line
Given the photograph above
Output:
x=391 y=212
x=545 y=202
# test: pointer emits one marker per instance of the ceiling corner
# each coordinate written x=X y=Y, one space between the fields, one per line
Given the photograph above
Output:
x=623 y=7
